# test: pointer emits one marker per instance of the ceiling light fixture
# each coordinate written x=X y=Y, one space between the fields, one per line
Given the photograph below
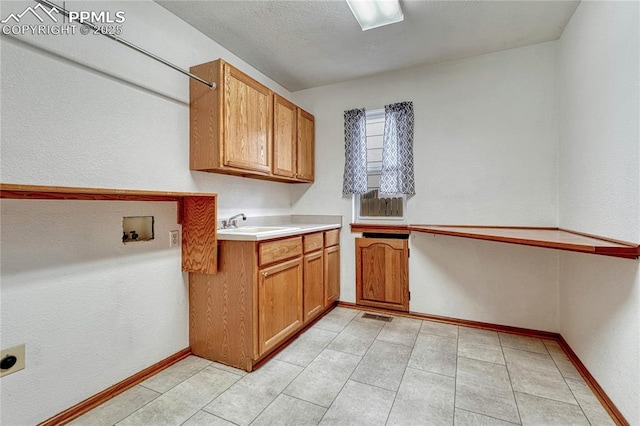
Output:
x=376 y=13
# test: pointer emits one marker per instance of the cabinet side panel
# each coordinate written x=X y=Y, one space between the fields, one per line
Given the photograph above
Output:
x=199 y=235
x=221 y=307
x=204 y=117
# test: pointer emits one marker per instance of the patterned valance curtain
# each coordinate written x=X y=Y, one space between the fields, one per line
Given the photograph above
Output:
x=397 y=175
x=355 y=152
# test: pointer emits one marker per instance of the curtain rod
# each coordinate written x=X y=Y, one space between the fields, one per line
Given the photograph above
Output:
x=129 y=45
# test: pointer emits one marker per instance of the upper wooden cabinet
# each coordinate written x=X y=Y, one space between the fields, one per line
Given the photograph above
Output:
x=247 y=122
x=306 y=146
x=243 y=128
x=230 y=125
x=284 y=137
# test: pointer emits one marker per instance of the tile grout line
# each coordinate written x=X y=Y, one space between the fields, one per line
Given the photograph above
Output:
x=308 y=402
x=506 y=366
x=216 y=397
x=571 y=390
x=564 y=379
x=549 y=399
x=482 y=360
x=279 y=393
x=362 y=359
x=346 y=381
x=355 y=368
x=210 y=414
x=303 y=369
x=118 y=421
x=574 y=397
x=162 y=393
x=486 y=415
x=403 y=373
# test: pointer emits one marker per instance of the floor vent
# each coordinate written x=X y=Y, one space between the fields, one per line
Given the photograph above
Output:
x=377 y=317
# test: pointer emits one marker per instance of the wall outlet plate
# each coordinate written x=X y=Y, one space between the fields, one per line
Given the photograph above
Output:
x=174 y=238
x=19 y=353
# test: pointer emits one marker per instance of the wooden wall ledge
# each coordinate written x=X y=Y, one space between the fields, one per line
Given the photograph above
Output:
x=39 y=192
x=382 y=229
x=196 y=212
x=554 y=238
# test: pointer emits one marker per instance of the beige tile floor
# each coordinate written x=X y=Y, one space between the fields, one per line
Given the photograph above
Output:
x=348 y=370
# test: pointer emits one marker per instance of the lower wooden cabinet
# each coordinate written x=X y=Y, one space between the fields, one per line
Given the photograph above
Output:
x=331 y=275
x=313 y=284
x=279 y=303
x=263 y=293
x=382 y=273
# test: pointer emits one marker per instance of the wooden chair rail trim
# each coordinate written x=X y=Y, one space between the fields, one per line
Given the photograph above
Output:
x=92 y=402
x=604 y=399
x=546 y=237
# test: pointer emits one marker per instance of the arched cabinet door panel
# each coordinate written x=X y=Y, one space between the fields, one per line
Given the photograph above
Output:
x=382 y=273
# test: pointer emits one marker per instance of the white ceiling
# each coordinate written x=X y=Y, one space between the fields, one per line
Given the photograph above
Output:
x=309 y=43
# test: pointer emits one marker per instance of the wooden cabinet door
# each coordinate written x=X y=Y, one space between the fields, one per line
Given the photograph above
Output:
x=284 y=137
x=331 y=275
x=382 y=267
x=247 y=122
x=279 y=303
x=306 y=146
x=313 y=284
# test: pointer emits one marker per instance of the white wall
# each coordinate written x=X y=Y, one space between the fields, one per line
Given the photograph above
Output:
x=485 y=149
x=85 y=111
x=599 y=192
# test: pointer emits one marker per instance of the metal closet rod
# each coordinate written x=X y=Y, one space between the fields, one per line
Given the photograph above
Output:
x=130 y=45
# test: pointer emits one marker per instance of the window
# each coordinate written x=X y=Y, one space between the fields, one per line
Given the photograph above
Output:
x=374 y=204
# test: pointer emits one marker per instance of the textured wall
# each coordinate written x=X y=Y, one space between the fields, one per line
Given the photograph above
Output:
x=486 y=153
x=599 y=191
x=85 y=111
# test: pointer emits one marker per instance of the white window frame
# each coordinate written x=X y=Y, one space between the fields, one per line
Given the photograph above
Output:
x=372 y=170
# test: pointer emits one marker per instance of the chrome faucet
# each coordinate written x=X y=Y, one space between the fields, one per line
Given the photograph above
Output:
x=231 y=222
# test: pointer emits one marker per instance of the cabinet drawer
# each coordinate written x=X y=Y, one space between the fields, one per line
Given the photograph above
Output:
x=313 y=242
x=274 y=251
x=332 y=238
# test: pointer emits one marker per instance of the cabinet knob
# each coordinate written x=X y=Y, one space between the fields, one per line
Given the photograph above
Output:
x=264 y=274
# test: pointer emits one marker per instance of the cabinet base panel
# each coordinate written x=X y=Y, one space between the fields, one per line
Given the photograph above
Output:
x=250 y=364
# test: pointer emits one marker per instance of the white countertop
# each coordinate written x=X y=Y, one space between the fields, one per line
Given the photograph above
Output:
x=259 y=233
x=271 y=227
